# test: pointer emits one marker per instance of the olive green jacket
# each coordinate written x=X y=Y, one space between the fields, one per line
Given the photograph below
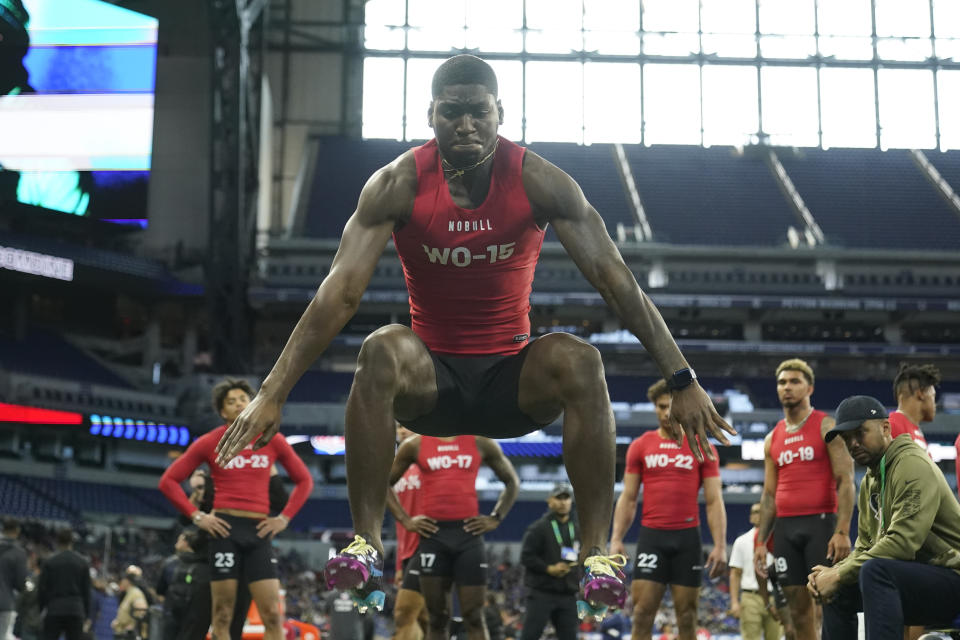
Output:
x=921 y=515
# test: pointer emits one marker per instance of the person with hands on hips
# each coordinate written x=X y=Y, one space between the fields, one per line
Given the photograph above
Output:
x=669 y=547
x=905 y=566
x=240 y=527
x=549 y=556
x=450 y=527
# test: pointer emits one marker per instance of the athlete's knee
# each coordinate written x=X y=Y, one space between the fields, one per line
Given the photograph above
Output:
x=271 y=617
x=687 y=617
x=223 y=613
x=473 y=618
x=405 y=614
x=568 y=357
x=439 y=619
x=644 y=614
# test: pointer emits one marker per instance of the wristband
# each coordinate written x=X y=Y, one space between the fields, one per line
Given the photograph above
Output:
x=496 y=514
x=284 y=518
x=198 y=516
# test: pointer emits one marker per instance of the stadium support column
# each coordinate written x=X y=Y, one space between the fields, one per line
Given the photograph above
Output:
x=238 y=39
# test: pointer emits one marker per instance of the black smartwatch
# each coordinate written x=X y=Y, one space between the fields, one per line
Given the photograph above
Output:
x=681 y=379
x=496 y=514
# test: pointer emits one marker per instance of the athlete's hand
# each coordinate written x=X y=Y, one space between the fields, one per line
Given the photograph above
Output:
x=479 y=525
x=269 y=527
x=838 y=548
x=616 y=547
x=424 y=526
x=260 y=418
x=693 y=411
x=717 y=562
x=217 y=527
x=760 y=561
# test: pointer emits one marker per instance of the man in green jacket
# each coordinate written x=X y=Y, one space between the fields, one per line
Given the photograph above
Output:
x=905 y=566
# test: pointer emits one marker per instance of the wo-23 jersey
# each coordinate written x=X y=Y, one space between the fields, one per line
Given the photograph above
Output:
x=469 y=272
x=671 y=478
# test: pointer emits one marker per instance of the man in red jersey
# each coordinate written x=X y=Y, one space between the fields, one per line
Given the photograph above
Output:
x=409 y=611
x=669 y=549
x=451 y=544
x=807 y=490
x=240 y=530
x=916 y=394
x=467 y=212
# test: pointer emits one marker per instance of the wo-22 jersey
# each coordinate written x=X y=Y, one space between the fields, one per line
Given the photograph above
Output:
x=671 y=477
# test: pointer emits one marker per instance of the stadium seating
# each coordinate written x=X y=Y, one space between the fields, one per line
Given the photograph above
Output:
x=871 y=199
x=20 y=500
x=99 y=498
x=47 y=354
x=709 y=196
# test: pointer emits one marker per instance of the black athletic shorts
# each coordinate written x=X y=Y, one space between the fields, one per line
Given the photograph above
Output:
x=242 y=555
x=411 y=573
x=477 y=396
x=799 y=544
x=453 y=553
x=670 y=556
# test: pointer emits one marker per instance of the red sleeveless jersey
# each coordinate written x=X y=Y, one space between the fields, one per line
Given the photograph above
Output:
x=671 y=479
x=900 y=424
x=805 y=482
x=408 y=493
x=448 y=472
x=469 y=272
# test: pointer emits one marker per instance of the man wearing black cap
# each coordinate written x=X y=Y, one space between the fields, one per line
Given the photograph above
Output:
x=905 y=566
x=549 y=555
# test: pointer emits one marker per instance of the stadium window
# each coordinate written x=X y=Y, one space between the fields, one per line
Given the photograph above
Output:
x=510 y=85
x=729 y=104
x=384 y=21
x=494 y=25
x=845 y=29
x=787 y=28
x=908 y=22
x=436 y=26
x=611 y=26
x=671 y=104
x=729 y=27
x=419 y=76
x=554 y=101
x=907 y=109
x=847 y=108
x=555 y=26
x=611 y=102
x=670 y=27
x=948 y=98
x=383 y=98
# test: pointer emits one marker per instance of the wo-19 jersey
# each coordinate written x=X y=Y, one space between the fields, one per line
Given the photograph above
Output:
x=469 y=272
x=671 y=477
x=448 y=472
x=805 y=481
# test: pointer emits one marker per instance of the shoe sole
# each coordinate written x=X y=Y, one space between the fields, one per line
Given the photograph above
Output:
x=344 y=572
x=605 y=590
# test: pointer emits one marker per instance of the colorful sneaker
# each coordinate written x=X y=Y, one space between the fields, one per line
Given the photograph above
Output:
x=603 y=586
x=357 y=569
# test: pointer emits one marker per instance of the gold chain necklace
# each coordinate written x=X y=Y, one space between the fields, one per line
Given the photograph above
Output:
x=456 y=173
x=796 y=427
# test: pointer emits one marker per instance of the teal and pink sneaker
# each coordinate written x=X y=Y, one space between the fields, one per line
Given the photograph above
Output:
x=357 y=569
x=604 y=585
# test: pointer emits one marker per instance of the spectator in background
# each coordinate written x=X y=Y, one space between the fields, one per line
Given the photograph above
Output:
x=916 y=394
x=346 y=623
x=549 y=553
x=133 y=607
x=748 y=603
x=64 y=591
x=13 y=574
x=493 y=618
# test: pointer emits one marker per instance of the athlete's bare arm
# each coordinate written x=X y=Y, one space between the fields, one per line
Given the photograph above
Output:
x=717 y=521
x=625 y=511
x=407 y=454
x=493 y=457
x=768 y=508
x=842 y=464
x=557 y=199
x=386 y=202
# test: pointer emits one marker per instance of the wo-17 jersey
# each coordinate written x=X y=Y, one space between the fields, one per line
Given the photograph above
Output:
x=671 y=477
